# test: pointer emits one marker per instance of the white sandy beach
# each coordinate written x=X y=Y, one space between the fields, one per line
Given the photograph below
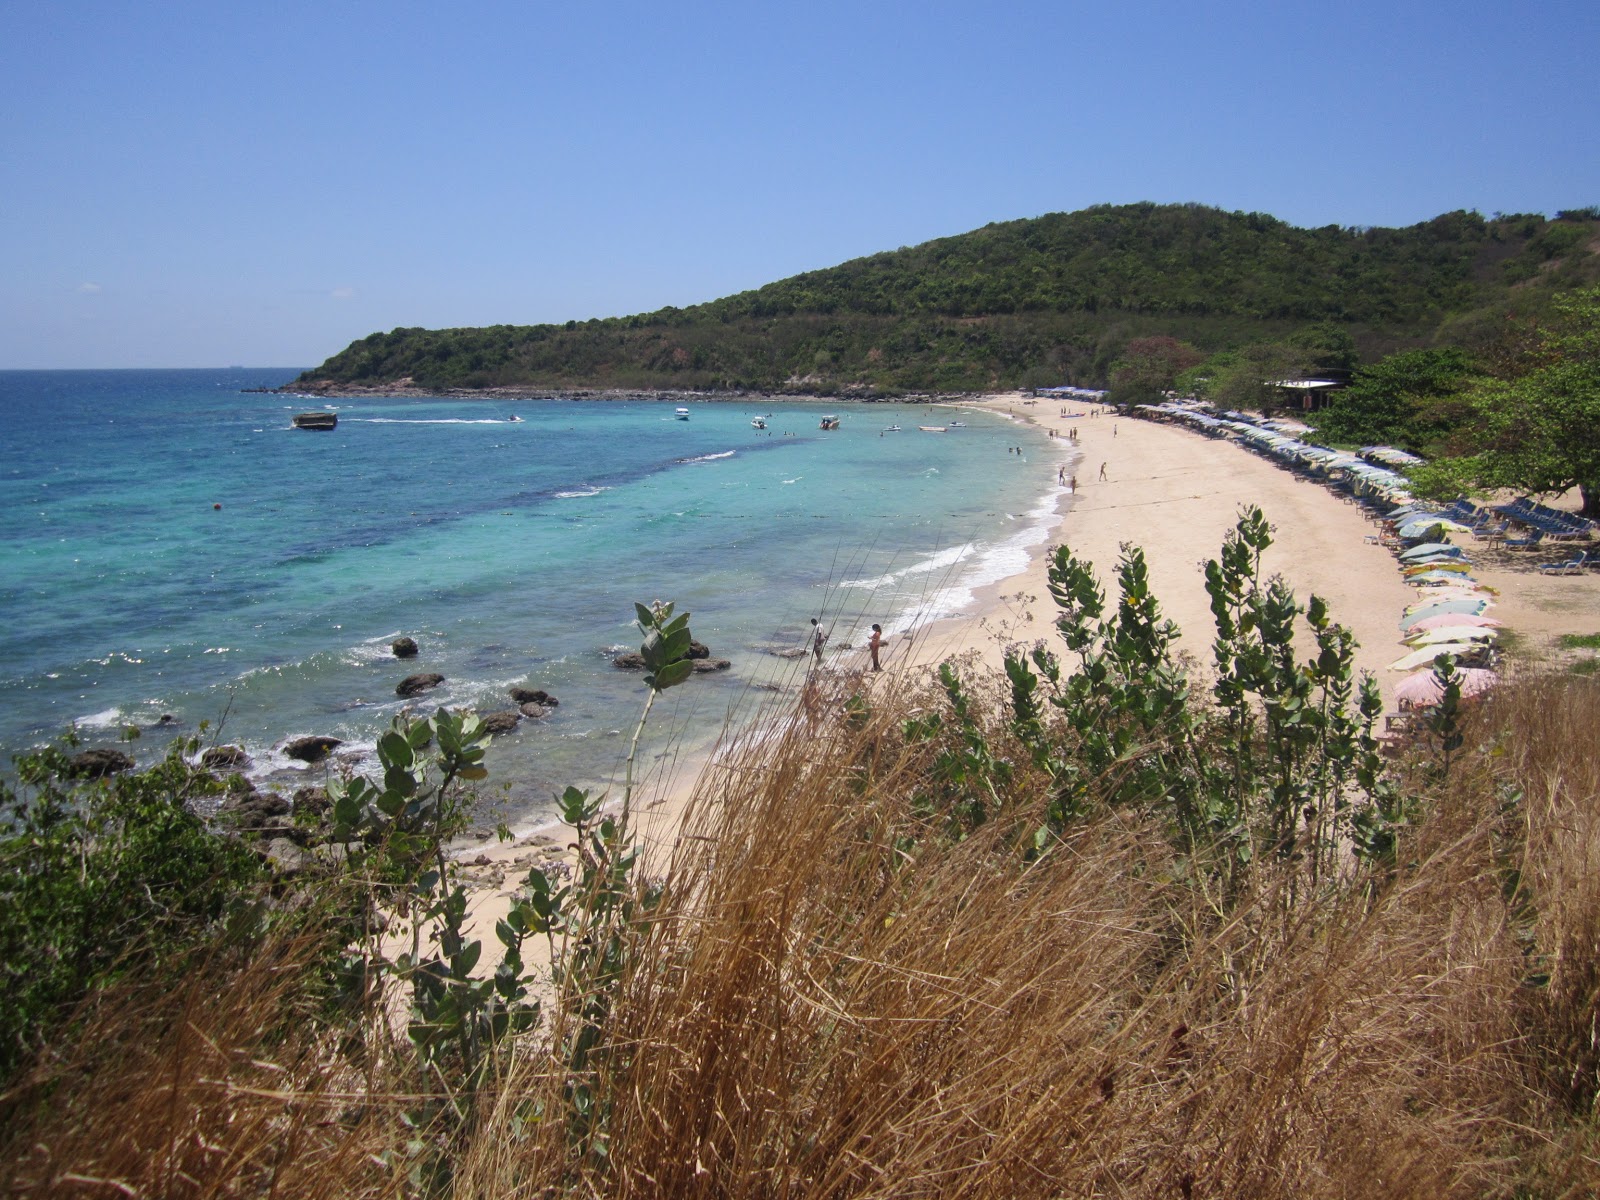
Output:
x=1177 y=494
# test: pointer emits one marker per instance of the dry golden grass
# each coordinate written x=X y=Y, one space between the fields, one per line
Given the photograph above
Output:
x=819 y=1007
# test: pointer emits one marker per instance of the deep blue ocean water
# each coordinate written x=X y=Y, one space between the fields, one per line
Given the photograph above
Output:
x=511 y=551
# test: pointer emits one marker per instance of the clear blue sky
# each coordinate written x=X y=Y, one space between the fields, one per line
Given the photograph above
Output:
x=196 y=184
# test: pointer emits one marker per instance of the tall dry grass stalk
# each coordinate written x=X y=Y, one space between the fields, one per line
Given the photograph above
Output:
x=832 y=999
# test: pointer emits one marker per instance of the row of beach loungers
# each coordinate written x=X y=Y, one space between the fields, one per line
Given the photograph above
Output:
x=1450 y=612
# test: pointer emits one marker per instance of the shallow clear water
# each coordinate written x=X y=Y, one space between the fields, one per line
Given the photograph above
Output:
x=511 y=551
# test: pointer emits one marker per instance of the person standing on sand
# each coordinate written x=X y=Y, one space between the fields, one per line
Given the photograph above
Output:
x=874 y=642
x=818 y=640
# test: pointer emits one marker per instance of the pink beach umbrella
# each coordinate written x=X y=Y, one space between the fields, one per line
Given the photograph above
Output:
x=1422 y=688
x=1453 y=620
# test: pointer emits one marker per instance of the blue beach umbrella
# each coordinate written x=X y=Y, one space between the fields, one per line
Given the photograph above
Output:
x=1472 y=607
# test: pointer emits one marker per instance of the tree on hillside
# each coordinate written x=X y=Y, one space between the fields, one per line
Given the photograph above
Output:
x=1148 y=367
x=1538 y=429
x=1248 y=381
x=1409 y=399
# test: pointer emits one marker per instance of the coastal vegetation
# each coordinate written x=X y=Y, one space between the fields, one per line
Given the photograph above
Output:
x=1520 y=410
x=1063 y=298
x=1109 y=922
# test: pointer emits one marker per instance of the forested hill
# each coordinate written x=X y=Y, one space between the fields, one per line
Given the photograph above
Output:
x=1047 y=300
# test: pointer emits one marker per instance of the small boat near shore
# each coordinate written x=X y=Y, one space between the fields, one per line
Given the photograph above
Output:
x=829 y=422
x=758 y=423
x=931 y=428
x=315 y=420
x=682 y=414
x=956 y=425
x=891 y=429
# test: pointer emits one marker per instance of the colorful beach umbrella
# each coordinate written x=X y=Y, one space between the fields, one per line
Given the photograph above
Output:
x=1429 y=550
x=1463 y=591
x=1444 y=606
x=1423 y=687
x=1420 y=526
x=1456 y=566
x=1418 y=658
x=1450 y=633
x=1447 y=620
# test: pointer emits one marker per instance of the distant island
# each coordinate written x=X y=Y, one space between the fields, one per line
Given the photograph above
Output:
x=1048 y=300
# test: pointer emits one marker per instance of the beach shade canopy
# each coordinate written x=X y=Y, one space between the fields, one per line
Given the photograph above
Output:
x=1431 y=550
x=1465 y=590
x=1455 y=621
x=1427 y=654
x=1423 y=688
x=1454 y=565
x=1416 y=527
x=1450 y=633
x=1444 y=606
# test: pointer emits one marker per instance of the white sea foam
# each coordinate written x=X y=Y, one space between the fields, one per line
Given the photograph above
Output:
x=708 y=457
x=969 y=567
x=580 y=493
x=107 y=718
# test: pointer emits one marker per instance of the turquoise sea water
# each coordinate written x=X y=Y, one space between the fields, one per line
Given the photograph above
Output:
x=511 y=551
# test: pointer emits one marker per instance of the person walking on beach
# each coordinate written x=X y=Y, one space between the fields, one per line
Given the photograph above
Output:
x=1061 y=476
x=874 y=642
x=1102 y=472
x=818 y=640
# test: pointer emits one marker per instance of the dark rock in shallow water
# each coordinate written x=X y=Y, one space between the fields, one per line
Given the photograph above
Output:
x=224 y=758
x=167 y=721
x=534 y=696
x=703 y=665
x=97 y=764
x=404 y=647
x=501 y=722
x=631 y=661
x=415 y=685
x=311 y=749
x=698 y=650
x=533 y=711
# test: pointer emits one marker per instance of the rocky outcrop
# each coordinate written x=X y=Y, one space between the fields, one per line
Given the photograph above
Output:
x=501 y=722
x=534 y=696
x=311 y=749
x=632 y=660
x=415 y=685
x=404 y=647
x=98 y=763
x=703 y=666
x=253 y=810
x=698 y=650
x=312 y=802
x=224 y=758
x=533 y=711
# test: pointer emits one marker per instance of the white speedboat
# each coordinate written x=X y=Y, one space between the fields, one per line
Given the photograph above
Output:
x=758 y=423
x=956 y=425
x=891 y=429
x=682 y=414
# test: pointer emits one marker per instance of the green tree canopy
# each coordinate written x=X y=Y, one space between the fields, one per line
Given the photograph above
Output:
x=1409 y=399
x=1539 y=429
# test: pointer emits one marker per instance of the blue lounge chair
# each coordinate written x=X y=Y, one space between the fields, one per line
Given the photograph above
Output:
x=1524 y=543
x=1573 y=566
